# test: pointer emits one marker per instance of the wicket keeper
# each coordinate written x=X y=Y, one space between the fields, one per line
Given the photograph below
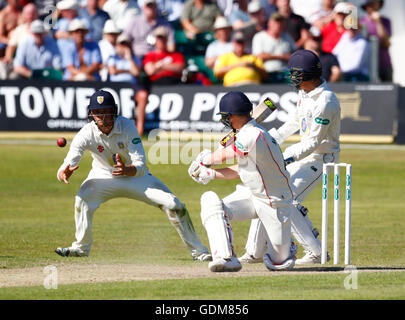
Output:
x=317 y=118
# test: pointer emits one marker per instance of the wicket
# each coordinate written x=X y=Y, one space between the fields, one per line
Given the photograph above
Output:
x=336 y=211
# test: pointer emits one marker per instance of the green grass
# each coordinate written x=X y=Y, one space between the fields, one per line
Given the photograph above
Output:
x=36 y=216
x=387 y=285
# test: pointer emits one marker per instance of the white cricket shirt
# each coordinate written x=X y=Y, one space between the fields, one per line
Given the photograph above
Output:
x=261 y=165
x=123 y=139
x=317 y=117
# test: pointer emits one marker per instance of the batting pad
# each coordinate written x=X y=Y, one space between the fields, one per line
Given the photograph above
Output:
x=217 y=225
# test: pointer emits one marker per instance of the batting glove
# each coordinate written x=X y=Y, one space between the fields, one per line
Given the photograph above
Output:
x=193 y=170
x=206 y=175
x=203 y=157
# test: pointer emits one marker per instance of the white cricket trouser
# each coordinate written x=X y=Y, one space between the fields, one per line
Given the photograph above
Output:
x=96 y=190
x=305 y=175
x=241 y=205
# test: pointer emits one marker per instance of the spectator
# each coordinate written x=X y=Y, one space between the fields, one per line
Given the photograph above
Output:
x=238 y=67
x=274 y=47
x=198 y=16
x=191 y=75
x=332 y=32
x=257 y=15
x=68 y=11
x=295 y=24
x=22 y=31
x=169 y=9
x=140 y=30
x=324 y=15
x=222 y=44
x=305 y=8
x=330 y=66
x=9 y=19
x=4 y=66
x=96 y=19
x=43 y=7
x=81 y=58
x=379 y=26
x=107 y=46
x=239 y=16
x=163 y=67
x=269 y=7
x=122 y=11
x=225 y=6
x=353 y=52
x=125 y=67
x=37 y=51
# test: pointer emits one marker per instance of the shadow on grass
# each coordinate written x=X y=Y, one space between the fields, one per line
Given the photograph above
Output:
x=337 y=269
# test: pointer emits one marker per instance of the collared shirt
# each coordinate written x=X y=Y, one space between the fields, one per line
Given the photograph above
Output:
x=217 y=48
x=140 y=32
x=353 y=54
x=203 y=18
x=33 y=57
x=120 y=63
x=96 y=23
x=240 y=74
x=123 y=139
x=122 y=12
x=261 y=165
x=317 y=117
x=70 y=55
x=264 y=43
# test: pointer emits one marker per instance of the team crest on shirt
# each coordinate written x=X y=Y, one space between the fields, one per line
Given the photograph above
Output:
x=304 y=126
x=121 y=145
x=100 y=99
x=100 y=148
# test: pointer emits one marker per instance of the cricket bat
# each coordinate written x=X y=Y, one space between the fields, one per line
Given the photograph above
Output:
x=259 y=113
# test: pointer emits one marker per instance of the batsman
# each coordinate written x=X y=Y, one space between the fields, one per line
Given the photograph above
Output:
x=317 y=118
x=265 y=191
x=118 y=170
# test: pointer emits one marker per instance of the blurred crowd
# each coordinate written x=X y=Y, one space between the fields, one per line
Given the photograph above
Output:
x=168 y=42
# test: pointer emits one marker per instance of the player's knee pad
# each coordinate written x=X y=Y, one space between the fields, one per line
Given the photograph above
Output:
x=211 y=206
x=217 y=224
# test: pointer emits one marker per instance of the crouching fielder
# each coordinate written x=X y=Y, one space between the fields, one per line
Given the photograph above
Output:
x=264 y=194
x=118 y=170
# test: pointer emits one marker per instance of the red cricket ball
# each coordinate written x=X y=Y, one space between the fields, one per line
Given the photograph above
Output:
x=61 y=142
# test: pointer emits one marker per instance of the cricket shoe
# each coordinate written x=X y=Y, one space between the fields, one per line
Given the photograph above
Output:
x=225 y=265
x=271 y=266
x=311 y=258
x=248 y=258
x=205 y=256
x=69 y=252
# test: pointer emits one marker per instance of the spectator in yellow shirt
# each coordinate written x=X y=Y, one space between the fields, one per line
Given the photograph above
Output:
x=238 y=67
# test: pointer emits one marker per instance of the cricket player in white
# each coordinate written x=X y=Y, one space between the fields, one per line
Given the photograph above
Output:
x=118 y=170
x=317 y=117
x=264 y=194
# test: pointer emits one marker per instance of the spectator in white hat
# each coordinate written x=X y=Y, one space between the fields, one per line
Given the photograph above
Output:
x=37 y=51
x=222 y=44
x=333 y=31
x=107 y=45
x=122 y=11
x=81 y=58
x=257 y=15
x=67 y=11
